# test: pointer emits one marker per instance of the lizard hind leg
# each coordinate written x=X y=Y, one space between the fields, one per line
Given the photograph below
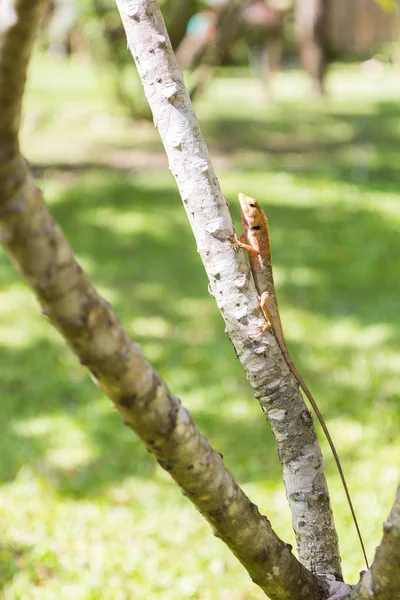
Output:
x=267 y=325
x=264 y=301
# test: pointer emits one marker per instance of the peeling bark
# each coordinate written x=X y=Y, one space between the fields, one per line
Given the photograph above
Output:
x=233 y=288
x=382 y=581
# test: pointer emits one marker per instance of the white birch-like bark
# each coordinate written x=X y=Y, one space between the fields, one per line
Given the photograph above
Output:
x=233 y=288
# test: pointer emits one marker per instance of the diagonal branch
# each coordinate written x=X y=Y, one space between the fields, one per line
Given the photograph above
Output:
x=382 y=581
x=68 y=299
x=232 y=287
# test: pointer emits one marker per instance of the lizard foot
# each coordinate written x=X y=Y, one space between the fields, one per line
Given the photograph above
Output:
x=266 y=326
x=233 y=241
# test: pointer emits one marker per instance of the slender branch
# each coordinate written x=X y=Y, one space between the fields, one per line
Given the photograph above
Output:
x=69 y=300
x=382 y=581
x=233 y=288
x=16 y=41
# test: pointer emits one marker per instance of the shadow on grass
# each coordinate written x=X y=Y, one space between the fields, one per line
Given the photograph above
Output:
x=143 y=252
x=143 y=239
x=317 y=141
x=136 y=245
x=41 y=414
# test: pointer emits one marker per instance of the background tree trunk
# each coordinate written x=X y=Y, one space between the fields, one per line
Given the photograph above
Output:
x=310 y=18
x=178 y=17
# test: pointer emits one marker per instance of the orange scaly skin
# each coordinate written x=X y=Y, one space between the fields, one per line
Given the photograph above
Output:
x=256 y=241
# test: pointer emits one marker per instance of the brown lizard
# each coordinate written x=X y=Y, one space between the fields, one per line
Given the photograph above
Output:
x=256 y=241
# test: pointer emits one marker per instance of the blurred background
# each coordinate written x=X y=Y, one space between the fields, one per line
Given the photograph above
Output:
x=299 y=105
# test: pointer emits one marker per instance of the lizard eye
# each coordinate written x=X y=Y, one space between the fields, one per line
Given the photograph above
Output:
x=252 y=205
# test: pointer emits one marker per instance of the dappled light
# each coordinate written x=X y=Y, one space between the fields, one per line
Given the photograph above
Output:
x=86 y=511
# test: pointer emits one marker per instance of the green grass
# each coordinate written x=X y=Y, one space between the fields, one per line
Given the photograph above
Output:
x=85 y=511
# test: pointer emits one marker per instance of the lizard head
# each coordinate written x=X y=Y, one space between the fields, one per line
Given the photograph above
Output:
x=252 y=215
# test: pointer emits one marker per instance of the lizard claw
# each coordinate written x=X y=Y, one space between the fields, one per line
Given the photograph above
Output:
x=233 y=241
x=266 y=326
x=232 y=237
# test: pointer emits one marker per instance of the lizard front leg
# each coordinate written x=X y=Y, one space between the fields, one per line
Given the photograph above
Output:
x=242 y=243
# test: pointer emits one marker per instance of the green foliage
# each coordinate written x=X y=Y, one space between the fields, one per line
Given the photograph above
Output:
x=101 y=24
x=86 y=513
x=389 y=5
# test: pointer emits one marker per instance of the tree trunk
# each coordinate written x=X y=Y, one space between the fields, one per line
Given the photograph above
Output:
x=310 y=17
x=178 y=18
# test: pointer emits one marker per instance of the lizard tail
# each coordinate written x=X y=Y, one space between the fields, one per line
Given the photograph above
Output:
x=332 y=447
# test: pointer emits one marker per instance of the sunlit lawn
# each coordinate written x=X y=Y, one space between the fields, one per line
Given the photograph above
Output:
x=85 y=512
